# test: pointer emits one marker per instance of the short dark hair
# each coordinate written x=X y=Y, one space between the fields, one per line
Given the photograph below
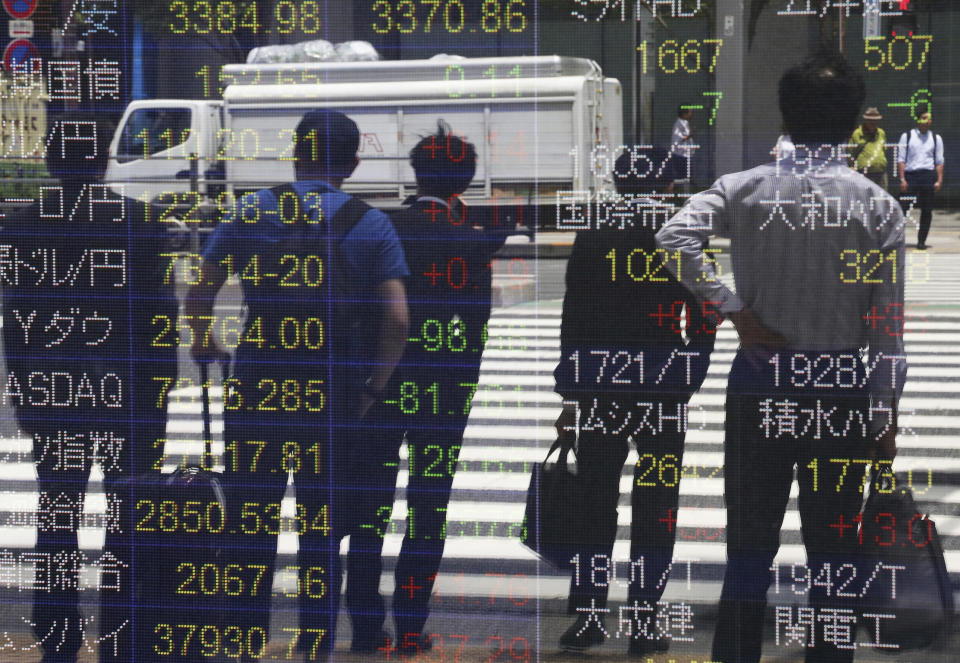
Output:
x=820 y=98
x=79 y=149
x=681 y=109
x=443 y=163
x=328 y=140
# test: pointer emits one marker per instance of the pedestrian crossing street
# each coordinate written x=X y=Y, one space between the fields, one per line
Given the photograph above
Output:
x=927 y=458
x=511 y=426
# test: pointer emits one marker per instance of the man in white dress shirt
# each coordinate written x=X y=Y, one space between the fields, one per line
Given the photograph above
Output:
x=681 y=144
x=920 y=160
x=817 y=253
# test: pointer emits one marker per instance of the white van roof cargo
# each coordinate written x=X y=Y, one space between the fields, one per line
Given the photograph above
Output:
x=435 y=69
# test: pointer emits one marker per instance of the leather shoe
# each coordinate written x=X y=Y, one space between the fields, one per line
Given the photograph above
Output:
x=582 y=635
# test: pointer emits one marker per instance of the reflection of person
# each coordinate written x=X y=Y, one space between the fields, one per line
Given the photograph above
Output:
x=313 y=263
x=681 y=144
x=920 y=157
x=799 y=312
x=449 y=294
x=78 y=355
x=868 y=151
x=635 y=325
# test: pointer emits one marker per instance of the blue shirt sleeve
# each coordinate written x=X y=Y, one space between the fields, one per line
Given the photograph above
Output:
x=374 y=251
x=232 y=236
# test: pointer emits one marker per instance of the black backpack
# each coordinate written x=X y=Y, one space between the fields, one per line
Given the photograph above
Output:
x=307 y=312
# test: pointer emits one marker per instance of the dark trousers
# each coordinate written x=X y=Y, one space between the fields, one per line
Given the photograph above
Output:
x=921 y=186
x=769 y=432
x=64 y=449
x=433 y=444
x=601 y=452
x=255 y=482
x=924 y=196
x=879 y=178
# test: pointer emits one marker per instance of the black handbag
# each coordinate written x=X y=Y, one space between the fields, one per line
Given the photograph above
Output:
x=553 y=521
x=910 y=598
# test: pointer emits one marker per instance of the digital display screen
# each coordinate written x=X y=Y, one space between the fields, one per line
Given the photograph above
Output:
x=479 y=330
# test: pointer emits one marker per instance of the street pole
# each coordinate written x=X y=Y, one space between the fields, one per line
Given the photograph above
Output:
x=731 y=27
x=842 y=30
x=648 y=79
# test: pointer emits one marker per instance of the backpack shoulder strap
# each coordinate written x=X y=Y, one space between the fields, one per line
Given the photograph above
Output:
x=349 y=214
x=341 y=223
x=279 y=192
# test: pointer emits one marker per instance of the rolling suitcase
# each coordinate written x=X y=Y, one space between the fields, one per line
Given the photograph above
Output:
x=161 y=600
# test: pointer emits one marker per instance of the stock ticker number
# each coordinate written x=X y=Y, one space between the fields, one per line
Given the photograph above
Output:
x=435 y=337
x=633 y=271
x=917 y=531
x=424 y=399
x=231 y=641
x=896 y=52
x=862 y=266
x=242 y=580
x=270 y=395
x=453 y=338
x=291 y=457
x=287 y=333
x=291 y=271
x=854 y=259
x=170 y=516
x=690 y=57
x=408 y=17
x=275 y=396
x=257 y=518
x=229 y=17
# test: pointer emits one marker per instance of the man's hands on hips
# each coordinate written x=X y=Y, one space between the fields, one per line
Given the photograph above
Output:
x=757 y=340
x=886 y=447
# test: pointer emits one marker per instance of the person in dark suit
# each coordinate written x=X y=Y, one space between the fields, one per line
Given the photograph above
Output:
x=83 y=286
x=428 y=401
x=634 y=346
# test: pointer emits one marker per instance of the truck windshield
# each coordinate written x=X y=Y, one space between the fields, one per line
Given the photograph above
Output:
x=152 y=130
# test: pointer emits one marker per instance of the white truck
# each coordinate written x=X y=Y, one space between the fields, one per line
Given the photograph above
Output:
x=535 y=121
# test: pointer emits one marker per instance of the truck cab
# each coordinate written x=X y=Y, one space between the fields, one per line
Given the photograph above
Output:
x=160 y=144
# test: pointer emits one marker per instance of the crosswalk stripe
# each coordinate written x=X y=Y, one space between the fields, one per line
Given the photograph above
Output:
x=521 y=354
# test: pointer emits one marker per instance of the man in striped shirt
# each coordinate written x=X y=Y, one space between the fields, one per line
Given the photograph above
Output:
x=817 y=253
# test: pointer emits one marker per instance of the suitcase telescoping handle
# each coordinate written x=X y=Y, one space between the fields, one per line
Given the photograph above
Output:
x=207 y=462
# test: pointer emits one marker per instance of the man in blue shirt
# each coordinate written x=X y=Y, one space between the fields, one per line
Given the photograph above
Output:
x=322 y=278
